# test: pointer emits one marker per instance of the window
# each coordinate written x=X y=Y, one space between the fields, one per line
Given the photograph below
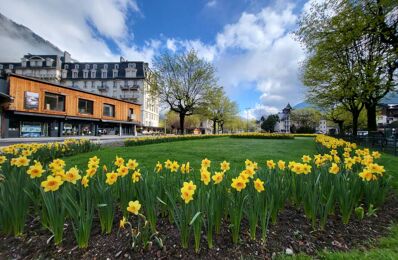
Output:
x=106 y=66
x=85 y=74
x=54 y=102
x=93 y=74
x=10 y=66
x=1 y=66
x=131 y=65
x=86 y=106
x=87 y=66
x=66 y=66
x=115 y=73
x=94 y=66
x=117 y=66
x=74 y=74
x=109 y=110
x=77 y=66
x=104 y=74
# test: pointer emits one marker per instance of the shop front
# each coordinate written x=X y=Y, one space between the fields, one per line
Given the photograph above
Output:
x=30 y=125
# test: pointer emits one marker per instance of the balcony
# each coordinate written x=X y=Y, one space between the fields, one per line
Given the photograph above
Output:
x=102 y=88
x=124 y=87
x=134 y=87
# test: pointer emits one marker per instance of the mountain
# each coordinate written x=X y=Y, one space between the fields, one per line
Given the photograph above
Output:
x=17 y=40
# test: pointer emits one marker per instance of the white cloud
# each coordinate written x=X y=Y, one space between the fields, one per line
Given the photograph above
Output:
x=258 y=110
x=211 y=3
x=256 y=50
x=171 y=45
x=80 y=27
x=259 y=50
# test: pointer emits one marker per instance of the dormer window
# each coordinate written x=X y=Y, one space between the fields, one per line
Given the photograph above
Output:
x=1 y=66
x=131 y=65
x=76 y=66
x=49 y=62
x=104 y=74
x=116 y=66
x=66 y=66
x=93 y=74
x=11 y=66
x=106 y=66
x=85 y=74
x=95 y=66
x=87 y=66
x=115 y=73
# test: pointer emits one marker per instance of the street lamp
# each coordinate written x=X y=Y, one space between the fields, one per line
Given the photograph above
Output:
x=247 y=119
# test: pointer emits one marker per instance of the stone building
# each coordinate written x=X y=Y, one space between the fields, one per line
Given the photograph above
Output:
x=126 y=80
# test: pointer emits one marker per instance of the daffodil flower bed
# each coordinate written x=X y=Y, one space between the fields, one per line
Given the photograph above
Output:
x=341 y=179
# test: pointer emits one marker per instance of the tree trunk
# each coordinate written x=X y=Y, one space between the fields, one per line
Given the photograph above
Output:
x=222 y=127
x=371 y=116
x=182 y=122
x=355 y=116
x=214 y=126
x=340 y=123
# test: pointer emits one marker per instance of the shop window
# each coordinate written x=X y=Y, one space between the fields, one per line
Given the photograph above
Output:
x=54 y=102
x=109 y=110
x=86 y=106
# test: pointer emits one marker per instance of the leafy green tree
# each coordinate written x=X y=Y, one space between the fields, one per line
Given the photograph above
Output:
x=306 y=118
x=269 y=123
x=352 y=54
x=182 y=81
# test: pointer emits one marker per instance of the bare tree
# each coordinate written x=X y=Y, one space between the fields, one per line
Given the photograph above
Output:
x=182 y=81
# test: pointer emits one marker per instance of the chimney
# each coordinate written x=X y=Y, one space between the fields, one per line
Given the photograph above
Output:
x=122 y=59
x=67 y=57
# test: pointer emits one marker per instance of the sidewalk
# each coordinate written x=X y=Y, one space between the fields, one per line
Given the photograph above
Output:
x=106 y=139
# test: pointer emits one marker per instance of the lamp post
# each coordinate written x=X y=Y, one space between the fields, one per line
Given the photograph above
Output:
x=247 y=119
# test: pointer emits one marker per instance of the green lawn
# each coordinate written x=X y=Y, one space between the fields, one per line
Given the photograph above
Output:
x=236 y=151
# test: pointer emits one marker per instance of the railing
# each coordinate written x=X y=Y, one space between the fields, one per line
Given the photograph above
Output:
x=382 y=143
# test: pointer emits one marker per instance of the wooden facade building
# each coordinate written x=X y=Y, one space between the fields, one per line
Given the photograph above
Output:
x=38 y=109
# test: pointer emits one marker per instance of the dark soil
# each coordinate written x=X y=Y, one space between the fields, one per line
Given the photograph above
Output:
x=292 y=231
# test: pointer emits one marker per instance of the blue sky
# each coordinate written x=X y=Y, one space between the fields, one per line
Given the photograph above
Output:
x=248 y=41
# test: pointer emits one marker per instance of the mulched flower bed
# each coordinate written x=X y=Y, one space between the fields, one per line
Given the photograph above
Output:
x=292 y=231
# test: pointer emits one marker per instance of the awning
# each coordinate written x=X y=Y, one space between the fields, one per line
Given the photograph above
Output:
x=81 y=118
x=38 y=114
x=120 y=122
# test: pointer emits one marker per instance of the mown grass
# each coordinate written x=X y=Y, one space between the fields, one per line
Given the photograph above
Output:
x=236 y=151
x=233 y=150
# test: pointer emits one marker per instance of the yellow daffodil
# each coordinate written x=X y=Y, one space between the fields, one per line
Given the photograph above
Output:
x=134 y=207
x=51 y=183
x=119 y=161
x=224 y=166
x=132 y=164
x=238 y=183
x=306 y=159
x=35 y=170
x=334 y=169
x=206 y=163
x=281 y=165
x=158 y=167
x=136 y=177
x=218 y=177
x=122 y=171
x=259 y=185
x=72 y=175
x=85 y=181
x=270 y=164
x=111 y=178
